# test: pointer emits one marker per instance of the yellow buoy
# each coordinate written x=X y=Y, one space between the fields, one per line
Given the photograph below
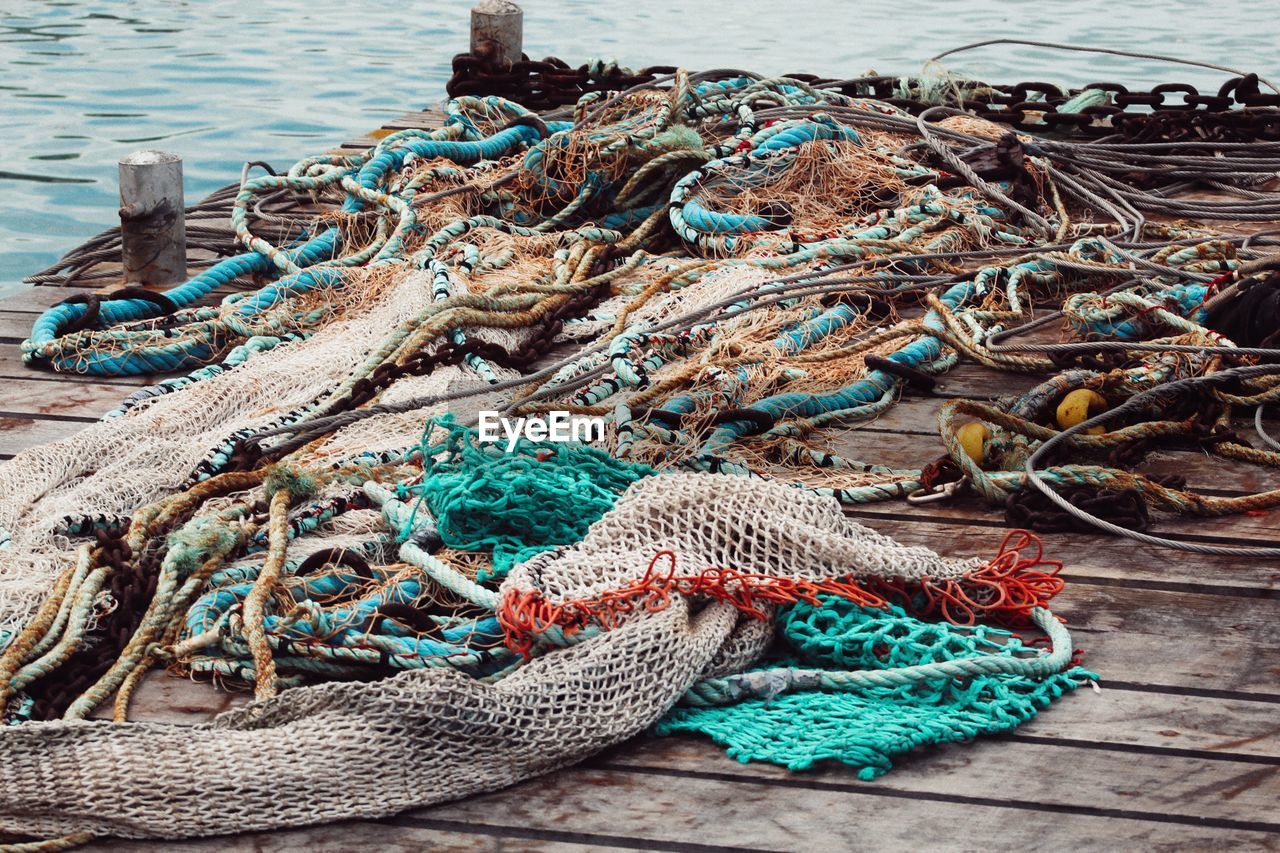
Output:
x=1080 y=405
x=972 y=437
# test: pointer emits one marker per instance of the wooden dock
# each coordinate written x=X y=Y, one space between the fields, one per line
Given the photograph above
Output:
x=1179 y=749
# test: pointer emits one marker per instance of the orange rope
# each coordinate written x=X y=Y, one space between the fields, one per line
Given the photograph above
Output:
x=524 y=615
x=1004 y=590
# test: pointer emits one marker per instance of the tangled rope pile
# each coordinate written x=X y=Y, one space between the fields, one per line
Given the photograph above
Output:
x=726 y=271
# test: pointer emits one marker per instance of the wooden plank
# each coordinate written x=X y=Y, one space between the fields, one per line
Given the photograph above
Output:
x=42 y=398
x=874 y=444
x=1182 y=782
x=1212 y=644
x=1180 y=791
x=680 y=795
x=17 y=433
x=1005 y=770
x=15 y=326
x=1241 y=529
x=977 y=382
x=670 y=808
x=914 y=414
x=869 y=444
x=428 y=119
x=1169 y=642
x=37 y=299
x=162 y=697
x=1140 y=721
x=917 y=415
x=370 y=139
x=1087 y=557
x=439 y=836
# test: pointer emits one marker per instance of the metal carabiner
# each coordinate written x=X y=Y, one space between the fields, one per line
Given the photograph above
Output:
x=941 y=493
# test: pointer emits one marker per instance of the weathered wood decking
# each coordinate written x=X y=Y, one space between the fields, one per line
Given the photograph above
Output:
x=1181 y=748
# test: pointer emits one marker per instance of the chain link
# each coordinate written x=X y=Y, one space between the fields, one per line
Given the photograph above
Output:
x=1169 y=112
x=542 y=86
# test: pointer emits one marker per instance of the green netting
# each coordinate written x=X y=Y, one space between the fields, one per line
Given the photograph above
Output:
x=517 y=504
x=865 y=726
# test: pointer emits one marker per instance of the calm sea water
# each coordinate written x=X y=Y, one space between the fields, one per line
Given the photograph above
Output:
x=84 y=83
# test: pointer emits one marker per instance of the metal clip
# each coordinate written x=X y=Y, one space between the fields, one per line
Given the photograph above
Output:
x=941 y=493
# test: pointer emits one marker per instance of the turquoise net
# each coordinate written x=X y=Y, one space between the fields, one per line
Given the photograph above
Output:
x=517 y=504
x=865 y=727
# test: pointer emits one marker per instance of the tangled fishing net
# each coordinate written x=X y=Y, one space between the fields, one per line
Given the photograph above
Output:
x=514 y=510
x=727 y=272
x=883 y=712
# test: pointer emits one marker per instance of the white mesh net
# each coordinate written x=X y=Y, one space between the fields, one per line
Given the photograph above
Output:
x=428 y=736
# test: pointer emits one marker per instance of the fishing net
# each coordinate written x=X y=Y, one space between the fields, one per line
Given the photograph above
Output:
x=112 y=468
x=866 y=724
x=762 y=540
x=501 y=500
x=451 y=734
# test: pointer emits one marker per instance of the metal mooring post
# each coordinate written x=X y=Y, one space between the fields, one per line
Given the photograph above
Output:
x=153 y=229
x=497 y=31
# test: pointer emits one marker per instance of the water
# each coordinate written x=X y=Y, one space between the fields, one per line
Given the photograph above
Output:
x=84 y=83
